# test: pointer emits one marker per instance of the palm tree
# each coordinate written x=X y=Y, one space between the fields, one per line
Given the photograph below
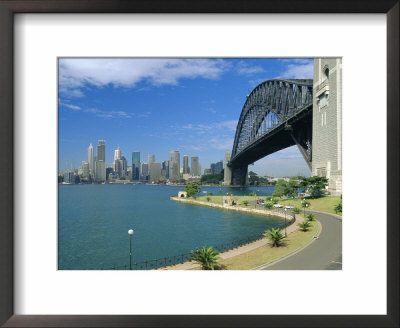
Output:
x=208 y=199
x=207 y=257
x=296 y=210
x=245 y=202
x=338 y=208
x=275 y=236
x=304 y=225
x=310 y=217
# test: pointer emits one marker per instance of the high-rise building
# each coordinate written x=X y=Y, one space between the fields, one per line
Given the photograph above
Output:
x=185 y=164
x=195 y=168
x=85 y=170
x=124 y=166
x=100 y=171
x=136 y=165
x=144 y=171
x=100 y=166
x=165 y=169
x=155 y=171
x=151 y=159
x=174 y=164
x=90 y=159
x=217 y=167
x=101 y=151
x=117 y=154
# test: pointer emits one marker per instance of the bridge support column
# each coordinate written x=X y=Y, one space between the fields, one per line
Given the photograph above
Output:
x=240 y=175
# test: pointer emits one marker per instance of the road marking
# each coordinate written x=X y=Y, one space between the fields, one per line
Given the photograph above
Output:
x=336 y=262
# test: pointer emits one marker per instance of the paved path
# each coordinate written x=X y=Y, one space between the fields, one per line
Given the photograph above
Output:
x=325 y=253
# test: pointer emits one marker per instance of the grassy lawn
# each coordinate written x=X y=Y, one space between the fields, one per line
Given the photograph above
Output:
x=323 y=204
x=267 y=253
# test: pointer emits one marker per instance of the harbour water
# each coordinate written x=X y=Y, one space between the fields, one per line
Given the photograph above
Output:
x=93 y=224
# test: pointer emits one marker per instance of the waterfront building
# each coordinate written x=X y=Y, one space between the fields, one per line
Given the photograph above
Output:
x=185 y=164
x=165 y=168
x=207 y=171
x=85 y=170
x=100 y=171
x=111 y=174
x=151 y=159
x=217 y=167
x=124 y=166
x=136 y=165
x=101 y=151
x=144 y=171
x=155 y=171
x=90 y=160
x=117 y=154
x=174 y=164
x=195 y=167
x=100 y=162
x=69 y=177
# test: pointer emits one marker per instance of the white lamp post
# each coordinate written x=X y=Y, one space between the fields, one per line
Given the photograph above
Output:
x=130 y=232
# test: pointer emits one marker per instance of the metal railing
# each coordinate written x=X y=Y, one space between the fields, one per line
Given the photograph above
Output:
x=182 y=258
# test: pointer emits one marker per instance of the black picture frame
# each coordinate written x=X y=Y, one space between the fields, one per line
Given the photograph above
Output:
x=10 y=7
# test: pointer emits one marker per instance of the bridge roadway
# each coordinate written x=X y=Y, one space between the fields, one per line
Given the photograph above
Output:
x=325 y=253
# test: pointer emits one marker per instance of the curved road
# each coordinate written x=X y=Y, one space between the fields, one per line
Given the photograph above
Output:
x=324 y=253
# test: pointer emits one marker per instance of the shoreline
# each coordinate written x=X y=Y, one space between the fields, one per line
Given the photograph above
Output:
x=189 y=265
x=247 y=210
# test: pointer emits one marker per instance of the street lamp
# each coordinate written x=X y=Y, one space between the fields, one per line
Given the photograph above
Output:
x=285 y=222
x=130 y=232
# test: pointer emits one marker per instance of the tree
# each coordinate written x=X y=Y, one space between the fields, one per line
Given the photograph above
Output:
x=304 y=225
x=296 y=210
x=310 y=217
x=210 y=194
x=207 y=257
x=229 y=194
x=268 y=205
x=208 y=199
x=245 y=202
x=304 y=204
x=192 y=188
x=275 y=236
x=252 y=193
x=284 y=188
x=338 y=208
x=314 y=185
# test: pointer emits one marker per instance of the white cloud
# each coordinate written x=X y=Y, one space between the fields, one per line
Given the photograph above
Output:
x=244 y=68
x=298 y=69
x=76 y=74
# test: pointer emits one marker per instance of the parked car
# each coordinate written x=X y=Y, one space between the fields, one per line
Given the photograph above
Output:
x=289 y=207
x=278 y=206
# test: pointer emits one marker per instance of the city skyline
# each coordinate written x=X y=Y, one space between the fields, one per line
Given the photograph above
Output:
x=158 y=105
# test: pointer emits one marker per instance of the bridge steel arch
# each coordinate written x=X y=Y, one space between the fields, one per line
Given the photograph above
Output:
x=277 y=114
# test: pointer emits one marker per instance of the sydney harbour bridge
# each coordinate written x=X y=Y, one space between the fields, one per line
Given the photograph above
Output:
x=277 y=114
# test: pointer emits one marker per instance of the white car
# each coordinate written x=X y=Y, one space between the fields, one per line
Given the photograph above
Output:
x=289 y=207
x=278 y=206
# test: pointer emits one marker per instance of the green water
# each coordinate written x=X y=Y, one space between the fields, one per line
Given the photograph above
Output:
x=93 y=224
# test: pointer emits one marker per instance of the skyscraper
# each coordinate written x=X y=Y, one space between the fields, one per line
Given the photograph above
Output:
x=100 y=168
x=90 y=160
x=85 y=170
x=144 y=171
x=195 y=168
x=174 y=164
x=117 y=154
x=155 y=171
x=185 y=164
x=101 y=151
x=165 y=169
x=136 y=165
x=151 y=159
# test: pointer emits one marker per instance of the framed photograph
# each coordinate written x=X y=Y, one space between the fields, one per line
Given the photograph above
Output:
x=127 y=130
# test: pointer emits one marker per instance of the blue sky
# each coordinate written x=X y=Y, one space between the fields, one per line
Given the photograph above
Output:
x=157 y=105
